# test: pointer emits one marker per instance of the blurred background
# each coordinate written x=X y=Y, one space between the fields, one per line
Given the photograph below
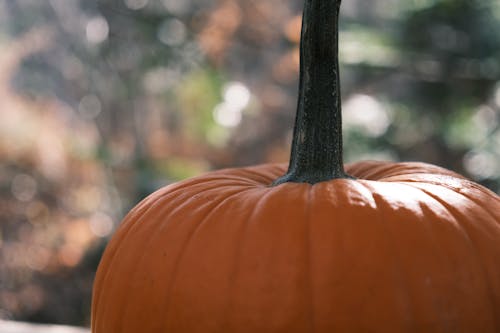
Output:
x=104 y=101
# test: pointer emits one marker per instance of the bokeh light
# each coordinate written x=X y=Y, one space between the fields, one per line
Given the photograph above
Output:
x=24 y=187
x=90 y=106
x=236 y=97
x=367 y=113
x=136 y=4
x=172 y=32
x=97 y=30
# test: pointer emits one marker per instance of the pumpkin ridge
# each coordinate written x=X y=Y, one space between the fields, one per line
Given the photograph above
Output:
x=259 y=171
x=231 y=175
x=132 y=219
x=366 y=169
x=378 y=170
x=456 y=224
x=229 y=178
x=370 y=170
x=112 y=260
x=161 y=214
x=491 y=195
x=383 y=172
x=416 y=177
x=422 y=168
x=308 y=262
x=419 y=173
x=183 y=249
x=163 y=217
x=468 y=197
x=239 y=251
x=429 y=227
x=153 y=205
x=247 y=182
x=490 y=291
x=441 y=202
x=139 y=210
x=441 y=253
x=132 y=222
x=396 y=258
x=263 y=179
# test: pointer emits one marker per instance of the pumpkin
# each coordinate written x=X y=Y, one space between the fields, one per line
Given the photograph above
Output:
x=369 y=247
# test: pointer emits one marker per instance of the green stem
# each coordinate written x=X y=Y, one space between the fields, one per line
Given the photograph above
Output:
x=317 y=142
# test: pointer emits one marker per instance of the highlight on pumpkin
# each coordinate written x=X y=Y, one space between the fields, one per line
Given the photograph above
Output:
x=103 y=103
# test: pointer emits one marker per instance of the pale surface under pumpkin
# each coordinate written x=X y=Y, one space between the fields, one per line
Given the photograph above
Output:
x=7 y=326
x=406 y=247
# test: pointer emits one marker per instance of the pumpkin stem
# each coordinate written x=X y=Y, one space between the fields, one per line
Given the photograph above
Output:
x=317 y=140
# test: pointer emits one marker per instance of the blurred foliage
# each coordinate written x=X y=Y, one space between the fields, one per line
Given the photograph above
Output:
x=104 y=101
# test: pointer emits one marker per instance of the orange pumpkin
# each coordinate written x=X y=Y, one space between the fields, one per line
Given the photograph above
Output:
x=394 y=247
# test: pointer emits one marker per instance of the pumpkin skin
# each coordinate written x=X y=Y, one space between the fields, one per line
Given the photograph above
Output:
x=405 y=247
